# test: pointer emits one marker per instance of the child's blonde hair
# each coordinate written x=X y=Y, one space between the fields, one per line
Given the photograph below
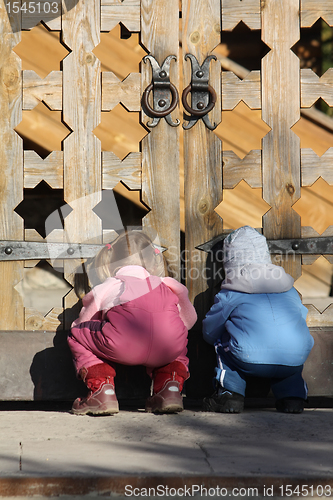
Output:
x=130 y=248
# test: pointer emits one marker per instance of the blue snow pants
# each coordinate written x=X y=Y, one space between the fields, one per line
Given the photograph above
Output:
x=231 y=373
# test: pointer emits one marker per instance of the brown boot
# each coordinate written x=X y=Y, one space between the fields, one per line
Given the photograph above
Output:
x=101 y=399
x=167 y=386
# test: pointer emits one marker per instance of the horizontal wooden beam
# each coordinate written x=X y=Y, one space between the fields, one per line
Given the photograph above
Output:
x=128 y=13
x=49 y=169
x=114 y=91
x=37 y=89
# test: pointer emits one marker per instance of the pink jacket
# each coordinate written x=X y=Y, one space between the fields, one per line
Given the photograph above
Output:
x=107 y=295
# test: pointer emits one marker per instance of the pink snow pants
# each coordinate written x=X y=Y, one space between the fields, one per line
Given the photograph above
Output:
x=144 y=331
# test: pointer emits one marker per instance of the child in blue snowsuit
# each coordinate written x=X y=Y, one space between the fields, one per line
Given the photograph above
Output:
x=257 y=325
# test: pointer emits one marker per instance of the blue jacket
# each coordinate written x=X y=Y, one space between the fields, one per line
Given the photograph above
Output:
x=263 y=328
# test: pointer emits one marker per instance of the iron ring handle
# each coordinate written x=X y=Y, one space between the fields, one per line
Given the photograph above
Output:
x=160 y=114
x=197 y=112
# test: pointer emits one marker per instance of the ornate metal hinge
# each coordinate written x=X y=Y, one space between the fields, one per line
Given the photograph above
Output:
x=165 y=94
x=203 y=95
x=320 y=246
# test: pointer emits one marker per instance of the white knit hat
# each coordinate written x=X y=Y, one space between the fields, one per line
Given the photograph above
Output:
x=245 y=246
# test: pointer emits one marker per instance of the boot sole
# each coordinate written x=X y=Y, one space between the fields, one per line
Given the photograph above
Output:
x=172 y=408
x=228 y=407
x=89 y=411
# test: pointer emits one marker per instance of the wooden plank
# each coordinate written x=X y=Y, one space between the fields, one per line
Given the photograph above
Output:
x=235 y=169
x=114 y=91
x=37 y=89
x=203 y=183
x=313 y=87
x=312 y=10
x=82 y=149
x=11 y=165
x=281 y=110
x=247 y=11
x=49 y=169
x=315 y=318
x=314 y=166
x=160 y=148
x=128 y=13
x=114 y=170
x=235 y=90
x=202 y=148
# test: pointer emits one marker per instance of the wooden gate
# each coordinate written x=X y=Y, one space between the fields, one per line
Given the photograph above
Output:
x=34 y=360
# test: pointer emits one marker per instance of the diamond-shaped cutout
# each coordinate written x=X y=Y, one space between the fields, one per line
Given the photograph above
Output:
x=315 y=284
x=242 y=206
x=316 y=206
x=120 y=52
x=41 y=50
x=241 y=129
x=120 y=208
x=319 y=140
x=120 y=131
x=43 y=127
x=43 y=288
x=38 y=204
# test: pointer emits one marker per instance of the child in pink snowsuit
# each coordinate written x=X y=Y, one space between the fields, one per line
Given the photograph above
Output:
x=134 y=317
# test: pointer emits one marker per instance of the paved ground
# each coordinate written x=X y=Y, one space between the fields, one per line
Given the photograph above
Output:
x=49 y=451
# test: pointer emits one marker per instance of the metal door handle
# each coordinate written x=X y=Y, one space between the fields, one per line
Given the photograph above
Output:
x=162 y=90
x=201 y=109
x=203 y=95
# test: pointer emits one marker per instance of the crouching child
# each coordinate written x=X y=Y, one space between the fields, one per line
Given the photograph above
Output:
x=257 y=325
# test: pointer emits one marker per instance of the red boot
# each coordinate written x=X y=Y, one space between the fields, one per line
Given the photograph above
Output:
x=168 y=383
x=101 y=399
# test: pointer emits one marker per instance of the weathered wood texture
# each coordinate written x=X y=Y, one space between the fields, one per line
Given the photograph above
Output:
x=114 y=91
x=202 y=150
x=313 y=87
x=247 y=11
x=235 y=90
x=281 y=110
x=312 y=10
x=127 y=12
x=81 y=92
x=11 y=164
x=314 y=166
x=81 y=112
x=202 y=178
x=37 y=89
x=114 y=170
x=248 y=168
x=50 y=169
x=160 y=148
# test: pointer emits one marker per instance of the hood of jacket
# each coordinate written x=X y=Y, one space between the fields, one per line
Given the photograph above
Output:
x=248 y=266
